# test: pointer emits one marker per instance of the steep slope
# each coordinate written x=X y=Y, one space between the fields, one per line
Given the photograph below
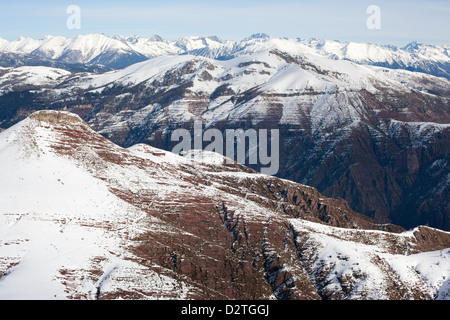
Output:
x=84 y=218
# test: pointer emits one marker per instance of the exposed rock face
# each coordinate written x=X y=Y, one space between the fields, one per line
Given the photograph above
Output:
x=140 y=223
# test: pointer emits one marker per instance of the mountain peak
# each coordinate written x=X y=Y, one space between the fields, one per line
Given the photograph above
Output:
x=53 y=116
x=412 y=46
x=157 y=38
x=215 y=38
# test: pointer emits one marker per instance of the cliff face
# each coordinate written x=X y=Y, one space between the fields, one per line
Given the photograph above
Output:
x=104 y=222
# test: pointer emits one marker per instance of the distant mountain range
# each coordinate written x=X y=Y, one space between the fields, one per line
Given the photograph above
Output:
x=120 y=51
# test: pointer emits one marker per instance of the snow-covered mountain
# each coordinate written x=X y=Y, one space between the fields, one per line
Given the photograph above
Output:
x=120 y=51
x=90 y=49
x=431 y=59
x=82 y=218
x=13 y=60
x=377 y=137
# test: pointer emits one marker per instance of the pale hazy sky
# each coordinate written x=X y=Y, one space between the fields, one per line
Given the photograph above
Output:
x=401 y=21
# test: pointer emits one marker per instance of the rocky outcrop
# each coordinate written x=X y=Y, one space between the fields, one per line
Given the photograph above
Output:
x=171 y=227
